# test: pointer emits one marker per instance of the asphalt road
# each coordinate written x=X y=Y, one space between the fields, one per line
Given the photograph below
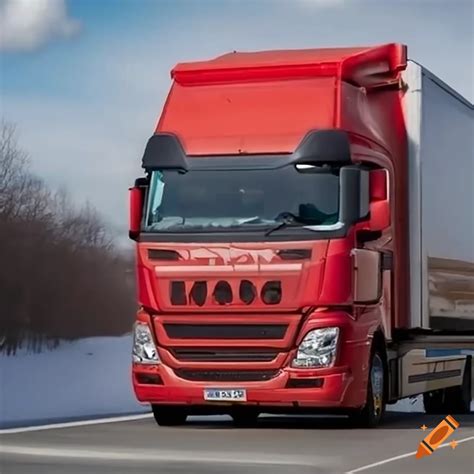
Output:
x=279 y=445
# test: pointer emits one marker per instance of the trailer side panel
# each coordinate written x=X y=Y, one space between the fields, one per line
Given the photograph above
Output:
x=447 y=207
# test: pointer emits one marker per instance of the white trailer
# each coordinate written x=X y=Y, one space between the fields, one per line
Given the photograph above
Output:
x=434 y=357
x=440 y=129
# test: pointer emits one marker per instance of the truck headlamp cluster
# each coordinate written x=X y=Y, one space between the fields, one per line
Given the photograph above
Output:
x=144 y=349
x=318 y=349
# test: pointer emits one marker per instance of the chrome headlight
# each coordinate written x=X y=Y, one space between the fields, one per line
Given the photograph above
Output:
x=144 y=349
x=318 y=349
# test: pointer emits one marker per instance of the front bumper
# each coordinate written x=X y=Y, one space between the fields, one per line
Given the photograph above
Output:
x=173 y=390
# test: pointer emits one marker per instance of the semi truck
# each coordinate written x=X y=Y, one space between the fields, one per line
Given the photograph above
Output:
x=304 y=233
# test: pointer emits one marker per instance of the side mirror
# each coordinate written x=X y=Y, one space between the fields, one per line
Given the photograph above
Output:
x=379 y=203
x=136 y=211
x=354 y=194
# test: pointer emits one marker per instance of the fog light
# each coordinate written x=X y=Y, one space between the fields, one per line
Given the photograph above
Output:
x=148 y=379
x=144 y=349
x=318 y=349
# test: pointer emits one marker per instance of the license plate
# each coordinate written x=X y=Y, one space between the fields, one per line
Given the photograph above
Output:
x=225 y=395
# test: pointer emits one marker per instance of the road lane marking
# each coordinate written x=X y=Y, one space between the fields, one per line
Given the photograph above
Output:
x=72 y=424
x=166 y=456
x=402 y=456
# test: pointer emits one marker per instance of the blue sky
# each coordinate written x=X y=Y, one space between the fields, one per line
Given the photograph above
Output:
x=85 y=80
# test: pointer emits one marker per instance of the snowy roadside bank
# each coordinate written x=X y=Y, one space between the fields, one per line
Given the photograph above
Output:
x=81 y=379
x=85 y=379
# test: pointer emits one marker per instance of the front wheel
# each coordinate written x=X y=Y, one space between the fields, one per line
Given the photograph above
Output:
x=169 y=415
x=371 y=414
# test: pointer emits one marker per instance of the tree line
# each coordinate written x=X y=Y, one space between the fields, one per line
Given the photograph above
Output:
x=60 y=275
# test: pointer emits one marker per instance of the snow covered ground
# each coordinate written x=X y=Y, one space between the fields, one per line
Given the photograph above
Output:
x=85 y=378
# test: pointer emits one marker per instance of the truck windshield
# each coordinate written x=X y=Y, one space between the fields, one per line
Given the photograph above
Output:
x=209 y=200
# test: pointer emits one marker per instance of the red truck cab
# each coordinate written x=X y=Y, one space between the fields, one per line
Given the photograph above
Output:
x=272 y=257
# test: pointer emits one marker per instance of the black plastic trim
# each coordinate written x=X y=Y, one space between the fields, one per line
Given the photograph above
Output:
x=226 y=375
x=164 y=151
x=318 y=147
x=189 y=354
x=387 y=261
x=163 y=254
x=225 y=331
x=178 y=293
x=148 y=379
x=305 y=383
x=294 y=254
x=445 y=374
x=294 y=234
x=199 y=292
x=247 y=291
x=324 y=147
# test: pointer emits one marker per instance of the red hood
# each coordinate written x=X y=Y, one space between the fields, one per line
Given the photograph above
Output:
x=304 y=273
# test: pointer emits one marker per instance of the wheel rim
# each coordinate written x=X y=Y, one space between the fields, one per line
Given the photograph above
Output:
x=376 y=381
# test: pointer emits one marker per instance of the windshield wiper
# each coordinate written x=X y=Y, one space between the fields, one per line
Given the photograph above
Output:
x=288 y=220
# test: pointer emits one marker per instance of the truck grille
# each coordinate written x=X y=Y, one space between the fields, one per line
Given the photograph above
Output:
x=226 y=375
x=221 y=292
x=224 y=355
x=225 y=331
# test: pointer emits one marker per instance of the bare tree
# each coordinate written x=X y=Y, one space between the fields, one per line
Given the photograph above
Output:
x=60 y=276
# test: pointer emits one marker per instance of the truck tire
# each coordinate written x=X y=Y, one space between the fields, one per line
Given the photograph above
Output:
x=372 y=413
x=246 y=418
x=458 y=399
x=434 y=402
x=452 y=400
x=166 y=415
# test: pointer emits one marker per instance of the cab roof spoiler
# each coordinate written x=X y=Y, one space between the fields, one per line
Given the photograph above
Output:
x=164 y=151
x=367 y=66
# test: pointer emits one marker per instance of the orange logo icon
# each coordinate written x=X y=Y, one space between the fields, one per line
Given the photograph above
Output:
x=437 y=436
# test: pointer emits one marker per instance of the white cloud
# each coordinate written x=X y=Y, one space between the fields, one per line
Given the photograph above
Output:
x=27 y=25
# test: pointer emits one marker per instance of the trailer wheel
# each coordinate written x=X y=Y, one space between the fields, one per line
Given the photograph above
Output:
x=458 y=399
x=371 y=414
x=455 y=400
x=246 y=418
x=434 y=402
x=166 y=415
